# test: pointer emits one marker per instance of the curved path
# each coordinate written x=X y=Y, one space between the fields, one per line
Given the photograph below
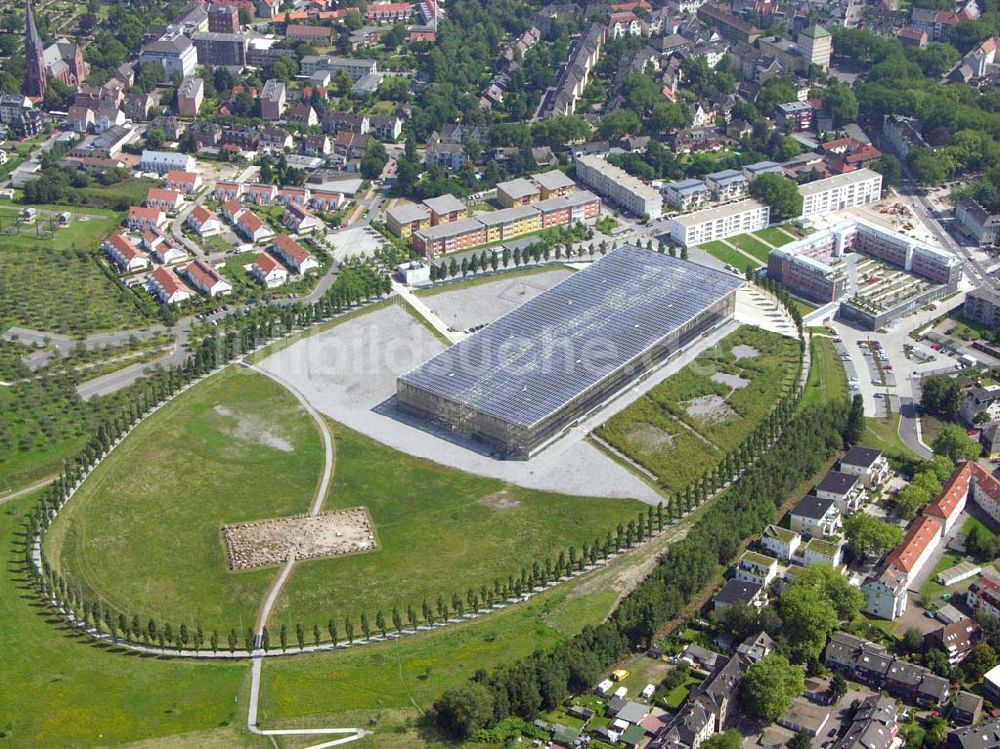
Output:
x=346 y=734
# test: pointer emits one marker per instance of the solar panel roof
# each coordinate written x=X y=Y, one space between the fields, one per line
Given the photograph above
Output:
x=526 y=365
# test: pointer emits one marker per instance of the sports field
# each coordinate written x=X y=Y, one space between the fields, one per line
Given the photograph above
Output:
x=685 y=425
x=144 y=532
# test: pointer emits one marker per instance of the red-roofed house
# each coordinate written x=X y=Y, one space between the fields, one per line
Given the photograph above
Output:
x=986 y=492
x=163 y=249
x=227 y=190
x=298 y=220
x=950 y=504
x=207 y=279
x=326 y=200
x=231 y=210
x=252 y=226
x=300 y=33
x=187 y=183
x=297 y=195
x=125 y=255
x=911 y=36
x=388 y=11
x=918 y=545
x=167 y=287
x=268 y=271
x=140 y=217
x=167 y=201
x=260 y=194
x=984 y=594
x=294 y=255
x=203 y=222
x=630 y=7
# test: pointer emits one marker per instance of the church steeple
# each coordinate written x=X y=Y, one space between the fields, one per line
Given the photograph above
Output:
x=34 y=77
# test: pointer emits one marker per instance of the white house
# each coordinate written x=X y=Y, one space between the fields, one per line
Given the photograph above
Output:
x=207 y=279
x=885 y=593
x=163 y=249
x=781 y=542
x=821 y=551
x=140 y=218
x=167 y=287
x=268 y=271
x=756 y=568
x=162 y=162
x=168 y=201
x=252 y=226
x=125 y=255
x=298 y=220
x=815 y=517
x=846 y=489
x=294 y=255
x=203 y=222
x=870 y=464
x=187 y=183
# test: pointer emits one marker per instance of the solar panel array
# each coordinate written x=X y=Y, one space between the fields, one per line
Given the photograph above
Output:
x=532 y=361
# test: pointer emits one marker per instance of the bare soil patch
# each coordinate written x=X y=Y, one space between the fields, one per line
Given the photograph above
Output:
x=267 y=543
x=251 y=429
x=745 y=351
x=710 y=408
x=732 y=380
x=647 y=436
x=502 y=500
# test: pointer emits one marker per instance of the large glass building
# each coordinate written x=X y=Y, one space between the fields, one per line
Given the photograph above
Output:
x=527 y=377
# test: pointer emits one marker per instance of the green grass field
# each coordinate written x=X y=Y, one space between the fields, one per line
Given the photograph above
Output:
x=61 y=691
x=660 y=432
x=53 y=283
x=440 y=531
x=728 y=255
x=883 y=433
x=827 y=377
x=144 y=532
x=775 y=236
x=755 y=247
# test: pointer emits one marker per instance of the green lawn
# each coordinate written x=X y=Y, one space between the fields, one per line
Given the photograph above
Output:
x=775 y=236
x=804 y=308
x=676 y=445
x=144 y=532
x=54 y=283
x=755 y=247
x=61 y=691
x=827 y=377
x=883 y=433
x=676 y=696
x=441 y=532
x=728 y=255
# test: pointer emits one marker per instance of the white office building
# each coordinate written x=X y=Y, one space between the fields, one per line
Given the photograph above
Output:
x=841 y=191
x=719 y=223
x=619 y=187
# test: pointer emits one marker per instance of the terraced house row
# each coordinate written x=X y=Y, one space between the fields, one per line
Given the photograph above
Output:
x=430 y=239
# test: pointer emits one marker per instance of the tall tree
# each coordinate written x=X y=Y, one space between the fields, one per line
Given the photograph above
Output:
x=770 y=686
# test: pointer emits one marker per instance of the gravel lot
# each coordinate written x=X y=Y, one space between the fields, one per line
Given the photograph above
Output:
x=467 y=307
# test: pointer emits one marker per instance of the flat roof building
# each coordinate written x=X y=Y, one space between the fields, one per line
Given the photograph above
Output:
x=719 y=223
x=841 y=191
x=519 y=382
x=619 y=187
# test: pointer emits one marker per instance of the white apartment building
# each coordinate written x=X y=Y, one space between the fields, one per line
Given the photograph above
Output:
x=841 y=191
x=162 y=162
x=619 y=187
x=719 y=223
x=885 y=593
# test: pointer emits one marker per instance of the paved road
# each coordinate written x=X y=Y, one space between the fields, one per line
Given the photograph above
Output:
x=177 y=225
